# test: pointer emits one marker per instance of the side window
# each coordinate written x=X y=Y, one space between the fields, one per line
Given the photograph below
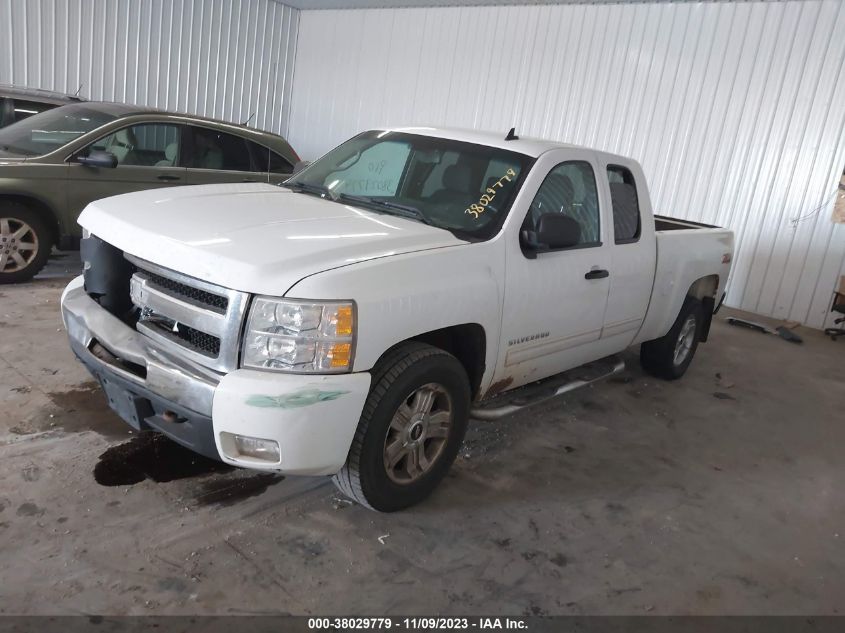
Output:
x=626 y=206
x=24 y=109
x=6 y=112
x=569 y=189
x=374 y=172
x=146 y=145
x=218 y=150
x=279 y=164
x=267 y=160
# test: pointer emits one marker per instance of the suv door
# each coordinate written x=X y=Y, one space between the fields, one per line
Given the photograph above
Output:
x=147 y=156
x=214 y=156
x=555 y=300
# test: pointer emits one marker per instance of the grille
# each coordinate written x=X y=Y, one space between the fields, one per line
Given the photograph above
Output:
x=188 y=293
x=197 y=319
x=205 y=344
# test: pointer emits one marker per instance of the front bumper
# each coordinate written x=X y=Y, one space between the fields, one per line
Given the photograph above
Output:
x=312 y=418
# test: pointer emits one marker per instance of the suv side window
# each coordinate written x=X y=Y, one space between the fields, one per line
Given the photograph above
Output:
x=24 y=109
x=626 y=206
x=570 y=189
x=145 y=144
x=212 y=149
x=278 y=163
x=265 y=159
x=5 y=112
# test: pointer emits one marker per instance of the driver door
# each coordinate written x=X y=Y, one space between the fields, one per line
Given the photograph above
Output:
x=147 y=156
x=555 y=299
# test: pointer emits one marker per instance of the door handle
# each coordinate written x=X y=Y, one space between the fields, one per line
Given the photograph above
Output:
x=598 y=273
x=165 y=177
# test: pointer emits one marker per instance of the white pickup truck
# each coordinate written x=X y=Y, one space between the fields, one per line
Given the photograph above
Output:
x=351 y=321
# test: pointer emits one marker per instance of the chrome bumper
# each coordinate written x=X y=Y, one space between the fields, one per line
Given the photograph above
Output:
x=132 y=356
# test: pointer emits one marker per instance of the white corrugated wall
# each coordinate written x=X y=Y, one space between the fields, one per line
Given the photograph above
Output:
x=226 y=59
x=735 y=110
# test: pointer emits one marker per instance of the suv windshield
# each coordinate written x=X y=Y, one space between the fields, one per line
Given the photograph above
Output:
x=47 y=131
x=462 y=187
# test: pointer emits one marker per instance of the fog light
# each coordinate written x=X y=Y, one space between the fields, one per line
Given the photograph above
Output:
x=255 y=447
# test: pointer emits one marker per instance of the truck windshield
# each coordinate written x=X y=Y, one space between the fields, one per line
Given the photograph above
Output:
x=42 y=133
x=462 y=187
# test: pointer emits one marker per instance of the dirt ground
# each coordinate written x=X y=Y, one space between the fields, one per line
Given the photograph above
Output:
x=721 y=493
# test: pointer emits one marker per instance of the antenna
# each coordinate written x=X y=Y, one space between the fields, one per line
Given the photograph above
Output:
x=78 y=90
x=249 y=119
x=512 y=135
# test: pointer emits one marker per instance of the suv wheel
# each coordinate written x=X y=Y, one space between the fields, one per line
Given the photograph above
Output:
x=24 y=243
x=411 y=428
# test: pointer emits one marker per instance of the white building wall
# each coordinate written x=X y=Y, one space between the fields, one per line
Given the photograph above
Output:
x=735 y=110
x=226 y=59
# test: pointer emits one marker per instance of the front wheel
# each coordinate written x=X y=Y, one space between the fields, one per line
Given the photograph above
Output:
x=410 y=430
x=24 y=243
x=669 y=356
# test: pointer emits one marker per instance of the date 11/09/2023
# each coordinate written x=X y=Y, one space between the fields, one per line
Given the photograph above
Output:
x=418 y=623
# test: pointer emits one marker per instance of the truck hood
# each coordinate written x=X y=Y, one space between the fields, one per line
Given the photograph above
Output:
x=252 y=237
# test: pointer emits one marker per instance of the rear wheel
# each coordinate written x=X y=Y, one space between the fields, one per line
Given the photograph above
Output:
x=410 y=430
x=669 y=356
x=25 y=243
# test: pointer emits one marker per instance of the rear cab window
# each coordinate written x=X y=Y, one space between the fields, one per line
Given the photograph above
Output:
x=627 y=223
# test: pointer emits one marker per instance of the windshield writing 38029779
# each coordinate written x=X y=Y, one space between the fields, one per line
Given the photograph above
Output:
x=481 y=206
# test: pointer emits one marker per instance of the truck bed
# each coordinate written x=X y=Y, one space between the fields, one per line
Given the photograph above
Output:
x=665 y=223
x=686 y=251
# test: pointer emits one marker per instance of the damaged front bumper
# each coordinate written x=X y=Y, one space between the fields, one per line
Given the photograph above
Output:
x=312 y=419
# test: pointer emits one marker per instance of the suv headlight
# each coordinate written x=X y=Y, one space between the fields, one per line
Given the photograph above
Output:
x=299 y=336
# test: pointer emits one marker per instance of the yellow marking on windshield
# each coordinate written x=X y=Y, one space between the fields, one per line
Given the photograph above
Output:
x=480 y=207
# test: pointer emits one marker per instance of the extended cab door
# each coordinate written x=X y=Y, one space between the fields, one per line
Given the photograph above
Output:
x=555 y=300
x=147 y=155
x=632 y=255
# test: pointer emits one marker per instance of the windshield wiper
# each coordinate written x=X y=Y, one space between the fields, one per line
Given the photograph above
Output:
x=304 y=186
x=407 y=210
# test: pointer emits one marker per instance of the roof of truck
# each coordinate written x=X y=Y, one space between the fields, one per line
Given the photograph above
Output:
x=523 y=144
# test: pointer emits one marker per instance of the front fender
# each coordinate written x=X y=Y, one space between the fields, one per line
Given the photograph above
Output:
x=407 y=295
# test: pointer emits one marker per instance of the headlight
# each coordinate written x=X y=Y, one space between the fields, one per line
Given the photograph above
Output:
x=299 y=336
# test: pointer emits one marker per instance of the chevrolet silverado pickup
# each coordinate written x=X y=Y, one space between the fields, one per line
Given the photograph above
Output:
x=352 y=320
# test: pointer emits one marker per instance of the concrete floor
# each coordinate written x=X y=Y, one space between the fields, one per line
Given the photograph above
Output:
x=721 y=493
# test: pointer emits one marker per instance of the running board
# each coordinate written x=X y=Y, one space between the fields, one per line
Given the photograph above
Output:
x=538 y=392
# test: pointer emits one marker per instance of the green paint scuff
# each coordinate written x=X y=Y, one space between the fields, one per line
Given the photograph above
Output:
x=302 y=398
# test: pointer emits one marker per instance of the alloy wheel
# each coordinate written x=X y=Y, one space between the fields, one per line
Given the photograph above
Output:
x=18 y=245
x=417 y=433
x=686 y=338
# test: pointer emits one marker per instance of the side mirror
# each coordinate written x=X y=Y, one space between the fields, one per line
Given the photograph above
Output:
x=98 y=158
x=300 y=166
x=554 y=230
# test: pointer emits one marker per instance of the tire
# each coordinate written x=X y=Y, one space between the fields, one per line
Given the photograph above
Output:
x=403 y=378
x=25 y=243
x=670 y=356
